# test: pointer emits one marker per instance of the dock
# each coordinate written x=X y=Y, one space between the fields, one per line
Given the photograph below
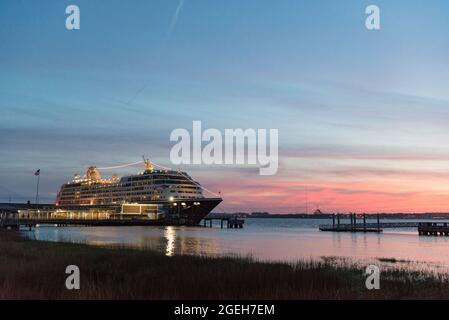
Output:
x=353 y=226
x=16 y=223
x=16 y=216
x=364 y=226
x=232 y=222
x=424 y=228
x=188 y=212
x=433 y=229
x=350 y=228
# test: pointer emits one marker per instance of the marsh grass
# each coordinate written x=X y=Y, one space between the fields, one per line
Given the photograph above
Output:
x=36 y=270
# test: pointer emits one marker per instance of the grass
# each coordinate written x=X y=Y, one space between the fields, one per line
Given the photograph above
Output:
x=36 y=270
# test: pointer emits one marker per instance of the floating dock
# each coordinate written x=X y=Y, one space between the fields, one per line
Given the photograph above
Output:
x=349 y=228
x=424 y=228
x=433 y=229
x=353 y=226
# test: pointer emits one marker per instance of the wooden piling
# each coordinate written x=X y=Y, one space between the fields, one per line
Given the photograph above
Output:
x=354 y=220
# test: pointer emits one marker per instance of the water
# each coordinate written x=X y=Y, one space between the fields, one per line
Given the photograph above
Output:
x=265 y=239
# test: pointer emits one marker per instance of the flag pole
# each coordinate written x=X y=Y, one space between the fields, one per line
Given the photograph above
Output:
x=37 y=190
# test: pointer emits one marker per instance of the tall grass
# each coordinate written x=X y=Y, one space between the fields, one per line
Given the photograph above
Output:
x=36 y=270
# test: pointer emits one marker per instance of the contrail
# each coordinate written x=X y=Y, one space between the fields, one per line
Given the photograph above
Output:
x=170 y=29
x=174 y=19
x=136 y=94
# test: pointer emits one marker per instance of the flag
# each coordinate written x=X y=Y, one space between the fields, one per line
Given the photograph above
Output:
x=38 y=172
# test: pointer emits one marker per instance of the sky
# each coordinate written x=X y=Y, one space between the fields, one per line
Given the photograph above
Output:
x=362 y=115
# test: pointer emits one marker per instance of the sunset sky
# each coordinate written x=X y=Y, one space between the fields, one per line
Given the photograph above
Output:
x=363 y=116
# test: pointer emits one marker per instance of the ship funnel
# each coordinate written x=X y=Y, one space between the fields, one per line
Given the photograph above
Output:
x=93 y=173
x=148 y=165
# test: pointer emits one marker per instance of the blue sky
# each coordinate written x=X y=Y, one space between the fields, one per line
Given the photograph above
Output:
x=116 y=88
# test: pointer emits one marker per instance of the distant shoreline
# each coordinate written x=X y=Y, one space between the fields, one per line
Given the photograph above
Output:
x=432 y=216
x=36 y=270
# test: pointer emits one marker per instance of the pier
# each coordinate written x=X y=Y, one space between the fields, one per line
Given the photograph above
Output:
x=433 y=229
x=16 y=223
x=29 y=215
x=353 y=226
x=154 y=213
x=232 y=222
x=364 y=226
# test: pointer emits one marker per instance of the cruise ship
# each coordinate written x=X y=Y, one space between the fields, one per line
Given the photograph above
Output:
x=164 y=196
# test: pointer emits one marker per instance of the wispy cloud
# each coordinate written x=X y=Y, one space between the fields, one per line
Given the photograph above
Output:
x=170 y=29
x=174 y=19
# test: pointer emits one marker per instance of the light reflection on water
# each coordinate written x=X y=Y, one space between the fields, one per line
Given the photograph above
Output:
x=266 y=239
x=170 y=236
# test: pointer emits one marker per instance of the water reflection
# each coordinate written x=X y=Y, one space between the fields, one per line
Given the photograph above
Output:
x=266 y=239
x=170 y=237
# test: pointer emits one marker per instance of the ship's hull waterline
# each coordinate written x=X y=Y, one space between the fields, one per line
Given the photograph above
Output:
x=176 y=212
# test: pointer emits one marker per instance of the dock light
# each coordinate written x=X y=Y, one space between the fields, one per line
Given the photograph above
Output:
x=171 y=199
x=175 y=204
x=183 y=203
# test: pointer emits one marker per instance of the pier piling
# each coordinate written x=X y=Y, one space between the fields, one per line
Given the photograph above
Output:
x=231 y=222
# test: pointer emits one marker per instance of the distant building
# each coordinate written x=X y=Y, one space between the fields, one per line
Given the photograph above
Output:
x=317 y=212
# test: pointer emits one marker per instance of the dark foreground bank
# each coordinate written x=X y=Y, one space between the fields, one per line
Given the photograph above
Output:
x=36 y=270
